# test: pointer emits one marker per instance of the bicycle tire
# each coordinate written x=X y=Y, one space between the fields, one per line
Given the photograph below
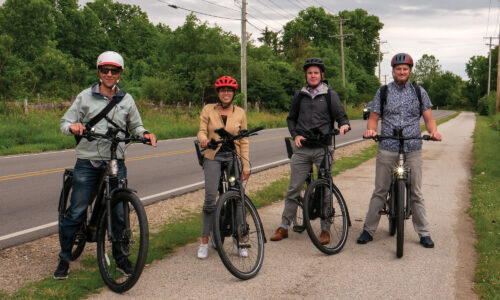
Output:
x=392 y=219
x=229 y=251
x=400 y=219
x=298 y=221
x=133 y=243
x=80 y=238
x=337 y=218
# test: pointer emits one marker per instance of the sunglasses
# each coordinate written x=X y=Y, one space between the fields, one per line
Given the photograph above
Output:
x=105 y=71
x=226 y=90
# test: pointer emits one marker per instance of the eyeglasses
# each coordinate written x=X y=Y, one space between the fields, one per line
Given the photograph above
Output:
x=226 y=90
x=105 y=71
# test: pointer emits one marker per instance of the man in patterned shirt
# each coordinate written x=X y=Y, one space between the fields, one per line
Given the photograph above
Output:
x=402 y=110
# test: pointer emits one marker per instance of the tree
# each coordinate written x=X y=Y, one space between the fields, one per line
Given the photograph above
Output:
x=445 y=90
x=30 y=23
x=427 y=69
x=270 y=39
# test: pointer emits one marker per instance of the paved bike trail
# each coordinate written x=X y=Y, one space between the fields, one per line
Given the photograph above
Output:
x=295 y=269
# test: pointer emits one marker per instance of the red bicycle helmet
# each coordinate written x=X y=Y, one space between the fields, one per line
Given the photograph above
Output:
x=402 y=58
x=226 y=81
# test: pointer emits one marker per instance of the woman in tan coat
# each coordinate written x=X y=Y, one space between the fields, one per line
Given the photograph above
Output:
x=233 y=119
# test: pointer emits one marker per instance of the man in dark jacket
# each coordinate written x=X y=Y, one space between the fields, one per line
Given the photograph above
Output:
x=314 y=108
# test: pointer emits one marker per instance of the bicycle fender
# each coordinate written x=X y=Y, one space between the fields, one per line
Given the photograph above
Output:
x=126 y=190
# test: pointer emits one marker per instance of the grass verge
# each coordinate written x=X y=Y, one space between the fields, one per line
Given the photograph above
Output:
x=485 y=209
x=85 y=282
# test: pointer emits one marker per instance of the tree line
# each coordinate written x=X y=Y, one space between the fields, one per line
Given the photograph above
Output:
x=49 y=47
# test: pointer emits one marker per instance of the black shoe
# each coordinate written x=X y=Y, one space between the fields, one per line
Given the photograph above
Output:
x=364 y=238
x=427 y=242
x=62 y=269
x=125 y=266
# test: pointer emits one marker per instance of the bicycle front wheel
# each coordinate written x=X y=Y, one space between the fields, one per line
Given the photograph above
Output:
x=392 y=219
x=327 y=222
x=122 y=255
x=240 y=246
x=80 y=238
x=400 y=219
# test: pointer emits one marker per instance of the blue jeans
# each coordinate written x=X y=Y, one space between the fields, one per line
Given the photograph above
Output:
x=85 y=183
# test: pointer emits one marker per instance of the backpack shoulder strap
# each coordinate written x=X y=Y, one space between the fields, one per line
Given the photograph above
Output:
x=383 y=98
x=329 y=101
x=99 y=117
x=419 y=94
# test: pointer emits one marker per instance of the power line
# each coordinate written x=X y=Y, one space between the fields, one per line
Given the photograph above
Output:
x=488 y=22
x=269 y=19
x=293 y=16
x=263 y=3
x=197 y=12
x=221 y=5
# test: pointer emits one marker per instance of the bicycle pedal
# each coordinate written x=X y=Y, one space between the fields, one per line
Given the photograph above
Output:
x=382 y=212
x=244 y=245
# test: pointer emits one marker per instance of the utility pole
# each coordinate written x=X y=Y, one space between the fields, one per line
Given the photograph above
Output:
x=380 y=57
x=244 y=52
x=498 y=76
x=489 y=61
x=341 y=35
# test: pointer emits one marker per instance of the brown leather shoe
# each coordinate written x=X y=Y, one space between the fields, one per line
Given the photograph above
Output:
x=281 y=233
x=324 y=237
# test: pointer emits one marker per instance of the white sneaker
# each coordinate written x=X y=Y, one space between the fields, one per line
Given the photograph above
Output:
x=203 y=251
x=243 y=252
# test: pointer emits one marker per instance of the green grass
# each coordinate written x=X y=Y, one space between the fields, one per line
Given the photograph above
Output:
x=39 y=130
x=485 y=208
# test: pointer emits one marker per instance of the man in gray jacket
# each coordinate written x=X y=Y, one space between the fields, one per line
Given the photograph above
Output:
x=315 y=107
x=90 y=157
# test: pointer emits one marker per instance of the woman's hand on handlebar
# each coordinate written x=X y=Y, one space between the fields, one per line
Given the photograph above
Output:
x=245 y=175
x=77 y=128
x=151 y=137
x=204 y=144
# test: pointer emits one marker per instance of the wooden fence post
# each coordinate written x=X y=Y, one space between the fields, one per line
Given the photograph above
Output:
x=38 y=97
x=25 y=106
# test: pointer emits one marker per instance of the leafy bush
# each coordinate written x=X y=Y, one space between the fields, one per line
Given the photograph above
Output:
x=486 y=105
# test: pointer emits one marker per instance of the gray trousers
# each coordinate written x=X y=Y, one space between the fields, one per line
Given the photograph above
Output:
x=212 y=171
x=300 y=165
x=383 y=176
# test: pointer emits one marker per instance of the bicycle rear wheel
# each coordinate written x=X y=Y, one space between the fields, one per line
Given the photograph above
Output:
x=400 y=219
x=333 y=218
x=80 y=238
x=121 y=262
x=241 y=248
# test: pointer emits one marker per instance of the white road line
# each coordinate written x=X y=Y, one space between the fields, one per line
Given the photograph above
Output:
x=200 y=183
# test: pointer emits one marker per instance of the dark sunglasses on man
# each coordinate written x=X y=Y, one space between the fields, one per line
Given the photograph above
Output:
x=105 y=71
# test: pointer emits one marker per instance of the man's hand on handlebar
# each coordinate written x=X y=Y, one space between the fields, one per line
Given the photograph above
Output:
x=370 y=133
x=298 y=140
x=344 y=129
x=151 y=137
x=77 y=128
x=435 y=136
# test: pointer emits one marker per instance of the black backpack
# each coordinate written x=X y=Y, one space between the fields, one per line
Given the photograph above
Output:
x=383 y=97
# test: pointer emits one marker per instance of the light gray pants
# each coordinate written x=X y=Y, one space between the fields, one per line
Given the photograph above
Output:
x=212 y=171
x=300 y=165
x=383 y=176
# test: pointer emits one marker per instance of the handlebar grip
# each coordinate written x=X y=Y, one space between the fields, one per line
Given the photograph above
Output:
x=255 y=129
x=426 y=137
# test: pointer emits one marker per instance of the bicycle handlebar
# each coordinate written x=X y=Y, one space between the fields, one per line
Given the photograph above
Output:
x=377 y=138
x=226 y=137
x=111 y=136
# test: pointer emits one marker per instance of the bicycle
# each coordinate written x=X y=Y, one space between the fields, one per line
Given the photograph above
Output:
x=103 y=224
x=397 y=207
x=237 y=227
x=324 y=207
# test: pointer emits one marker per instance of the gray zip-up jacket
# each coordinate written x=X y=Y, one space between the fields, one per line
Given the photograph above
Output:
x=91 y=102
x=307 y=113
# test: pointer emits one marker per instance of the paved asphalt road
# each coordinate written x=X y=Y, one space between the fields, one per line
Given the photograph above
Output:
x=30 y=184
x=295 y=269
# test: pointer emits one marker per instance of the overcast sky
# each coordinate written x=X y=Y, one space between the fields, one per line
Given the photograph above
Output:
x=451 y=30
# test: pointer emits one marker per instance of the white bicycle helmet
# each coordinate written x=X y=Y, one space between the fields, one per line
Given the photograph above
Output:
x=110 y=58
